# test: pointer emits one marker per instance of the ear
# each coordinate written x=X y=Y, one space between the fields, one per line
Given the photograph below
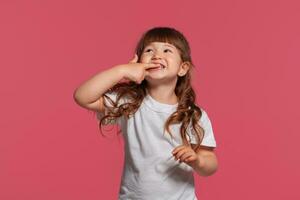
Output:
x=184 y=68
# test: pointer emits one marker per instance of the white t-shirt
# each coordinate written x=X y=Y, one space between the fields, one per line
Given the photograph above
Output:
x=150 y=171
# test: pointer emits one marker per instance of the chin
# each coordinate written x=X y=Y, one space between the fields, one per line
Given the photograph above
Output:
x=154 y=77
x=160 y=79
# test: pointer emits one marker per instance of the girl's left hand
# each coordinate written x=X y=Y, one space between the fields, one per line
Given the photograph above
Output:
x=185 y=153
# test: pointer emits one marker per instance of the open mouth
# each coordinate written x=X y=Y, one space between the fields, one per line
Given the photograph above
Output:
x=158 y=68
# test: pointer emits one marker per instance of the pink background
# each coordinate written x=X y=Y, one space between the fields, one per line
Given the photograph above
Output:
x=247 y=59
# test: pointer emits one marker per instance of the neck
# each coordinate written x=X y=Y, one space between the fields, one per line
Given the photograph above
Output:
x=163 y=93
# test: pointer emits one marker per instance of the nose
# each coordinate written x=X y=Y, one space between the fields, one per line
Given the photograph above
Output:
x=156 y=56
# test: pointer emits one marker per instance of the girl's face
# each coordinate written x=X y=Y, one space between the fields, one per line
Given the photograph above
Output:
x=168 y=56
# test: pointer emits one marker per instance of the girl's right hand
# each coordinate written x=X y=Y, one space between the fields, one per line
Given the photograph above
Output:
x=135 y=71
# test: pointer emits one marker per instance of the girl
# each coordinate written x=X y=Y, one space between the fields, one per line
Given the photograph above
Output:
x=152 y=100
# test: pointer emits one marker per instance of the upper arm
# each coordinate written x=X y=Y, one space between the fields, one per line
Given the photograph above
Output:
x=97 y=106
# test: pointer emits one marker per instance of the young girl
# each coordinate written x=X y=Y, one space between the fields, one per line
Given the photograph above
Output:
x=152 y=100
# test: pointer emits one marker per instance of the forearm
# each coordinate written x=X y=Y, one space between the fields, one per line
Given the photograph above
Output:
x=92 y=89
x=205 y=165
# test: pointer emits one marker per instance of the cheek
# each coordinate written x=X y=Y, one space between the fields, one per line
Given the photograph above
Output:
x=144 y=58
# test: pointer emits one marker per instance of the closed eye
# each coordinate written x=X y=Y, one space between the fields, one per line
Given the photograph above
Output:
x=168 y=50
x=147 y=50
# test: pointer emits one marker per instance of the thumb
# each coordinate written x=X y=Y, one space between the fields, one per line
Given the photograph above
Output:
x=135 y=59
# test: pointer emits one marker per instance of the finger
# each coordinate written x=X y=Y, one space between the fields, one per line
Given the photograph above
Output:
x=135 y=59
x=180 y=153
x=185 y=156
x=151 y=65
x=180 y=156
x=177 y=149
x=190 y=159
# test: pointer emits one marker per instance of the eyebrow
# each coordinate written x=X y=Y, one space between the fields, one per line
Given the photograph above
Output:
x=169 y=45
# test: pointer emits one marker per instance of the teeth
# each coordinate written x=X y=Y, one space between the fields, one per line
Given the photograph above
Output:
x=161 y=66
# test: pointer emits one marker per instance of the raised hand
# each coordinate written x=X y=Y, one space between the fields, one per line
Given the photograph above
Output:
x=135 y=71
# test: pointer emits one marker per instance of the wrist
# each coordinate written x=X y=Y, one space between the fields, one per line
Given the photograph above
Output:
x=121 y=71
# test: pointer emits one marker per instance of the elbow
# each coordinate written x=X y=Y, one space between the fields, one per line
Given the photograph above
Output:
x=211 y=167
x=76 y=98
x=209 y=172
x=214 y=168
x=213 y=171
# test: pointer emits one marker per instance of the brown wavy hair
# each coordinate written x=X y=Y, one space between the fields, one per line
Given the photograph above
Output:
x=187 y=111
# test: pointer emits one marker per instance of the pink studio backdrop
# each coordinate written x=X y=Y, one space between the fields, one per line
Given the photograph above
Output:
x=247 y=59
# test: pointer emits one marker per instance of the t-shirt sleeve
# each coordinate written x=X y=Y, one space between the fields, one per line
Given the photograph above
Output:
x=205 y=123
x=100 y=115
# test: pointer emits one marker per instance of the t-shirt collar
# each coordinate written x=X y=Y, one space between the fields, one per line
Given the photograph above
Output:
x=158 y=106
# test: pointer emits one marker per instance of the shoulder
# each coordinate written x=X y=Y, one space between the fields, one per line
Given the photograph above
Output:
x=204 y=116
x=205 y=123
